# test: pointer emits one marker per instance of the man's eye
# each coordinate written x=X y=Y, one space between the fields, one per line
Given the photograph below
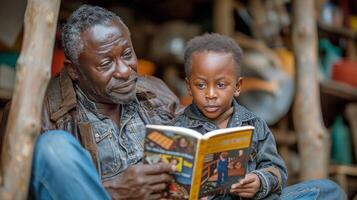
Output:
x=127 y=54
x=105 y=63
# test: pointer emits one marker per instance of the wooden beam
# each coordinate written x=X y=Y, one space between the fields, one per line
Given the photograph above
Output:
x=33 y=75
x=223 y=19
x=313 y=140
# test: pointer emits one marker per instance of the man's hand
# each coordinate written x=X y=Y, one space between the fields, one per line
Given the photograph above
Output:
x=140 y=182
x=246 y=187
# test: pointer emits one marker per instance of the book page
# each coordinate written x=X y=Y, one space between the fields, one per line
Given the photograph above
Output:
x=172 y=147
x=226 y=130
x=176 y=129
x=225 y=161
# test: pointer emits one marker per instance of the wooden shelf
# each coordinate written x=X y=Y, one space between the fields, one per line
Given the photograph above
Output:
x=5 y=94
x=344 y=176
x=342 y=32
x=338 y=89
x=344 y=169
x=5 y=97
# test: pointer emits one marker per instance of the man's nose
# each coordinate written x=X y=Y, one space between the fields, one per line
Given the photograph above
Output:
x=122 y=70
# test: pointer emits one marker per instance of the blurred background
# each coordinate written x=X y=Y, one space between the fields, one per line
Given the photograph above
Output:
x=263 y=28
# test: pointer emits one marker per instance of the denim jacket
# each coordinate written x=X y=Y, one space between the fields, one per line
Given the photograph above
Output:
x=112 y=148
x=264 y=159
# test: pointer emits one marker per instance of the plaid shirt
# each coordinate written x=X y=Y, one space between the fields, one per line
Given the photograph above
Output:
x=264 y=160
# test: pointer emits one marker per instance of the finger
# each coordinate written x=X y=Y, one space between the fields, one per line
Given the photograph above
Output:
x=157 y=168
x=236 y=185
x=142 y=193
x=162 y=178
x=246 y=194
x=241 y=183
x=247 y=180
x=158 y=187
x=247 y=190
x=156 y=196
x=250 y=185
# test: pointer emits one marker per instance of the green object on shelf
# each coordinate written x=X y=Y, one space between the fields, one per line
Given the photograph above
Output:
x=9 y=59
x=341 y=142
x=330 y=53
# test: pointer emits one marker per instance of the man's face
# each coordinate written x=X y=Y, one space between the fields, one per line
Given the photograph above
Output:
x=107 y=65
x=213 y=82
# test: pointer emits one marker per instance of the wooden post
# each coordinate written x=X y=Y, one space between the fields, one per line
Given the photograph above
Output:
x=33 y=75
x=223 y=19
x=313 y=140
x=256 y=7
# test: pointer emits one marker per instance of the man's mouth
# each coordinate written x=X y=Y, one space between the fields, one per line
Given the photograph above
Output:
x=125 y=87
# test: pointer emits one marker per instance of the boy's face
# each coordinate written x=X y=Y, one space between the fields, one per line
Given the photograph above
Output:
x=213 y=82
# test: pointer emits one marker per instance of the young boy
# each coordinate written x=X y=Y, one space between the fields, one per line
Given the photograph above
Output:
x=213 y=80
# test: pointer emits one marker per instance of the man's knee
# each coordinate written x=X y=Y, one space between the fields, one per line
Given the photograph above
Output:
x=55 y=147
x=52 y=138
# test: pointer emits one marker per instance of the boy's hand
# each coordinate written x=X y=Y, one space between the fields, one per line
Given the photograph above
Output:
x=141 y=182
x=247 y=187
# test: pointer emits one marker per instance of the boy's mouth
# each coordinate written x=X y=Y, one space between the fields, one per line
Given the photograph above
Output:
x=211 y=108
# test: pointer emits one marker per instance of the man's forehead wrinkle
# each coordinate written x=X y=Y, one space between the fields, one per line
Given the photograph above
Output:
x=105 y=47
x=101 y=38
x=103 y=32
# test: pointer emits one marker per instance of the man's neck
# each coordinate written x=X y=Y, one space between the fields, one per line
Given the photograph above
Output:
x=110 y=110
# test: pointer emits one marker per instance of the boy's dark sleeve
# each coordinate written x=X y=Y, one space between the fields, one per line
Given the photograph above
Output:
x=270 y=168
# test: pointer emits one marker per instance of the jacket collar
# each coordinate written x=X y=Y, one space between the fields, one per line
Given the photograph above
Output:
x=196 y=119
x=67 y=96
x=69 y=99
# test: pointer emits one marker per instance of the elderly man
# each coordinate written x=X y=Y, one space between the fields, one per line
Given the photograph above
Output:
x=101 y=100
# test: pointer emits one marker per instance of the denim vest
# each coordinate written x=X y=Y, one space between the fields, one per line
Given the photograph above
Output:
x=264 y=159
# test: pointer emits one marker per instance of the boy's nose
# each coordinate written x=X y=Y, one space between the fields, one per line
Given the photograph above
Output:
x=211 y=93
x=122 y=70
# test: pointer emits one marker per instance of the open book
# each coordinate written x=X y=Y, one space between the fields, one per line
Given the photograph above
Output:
x=206 y=164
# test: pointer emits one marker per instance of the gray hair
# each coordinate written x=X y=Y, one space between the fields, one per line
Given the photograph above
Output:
x=81 y=19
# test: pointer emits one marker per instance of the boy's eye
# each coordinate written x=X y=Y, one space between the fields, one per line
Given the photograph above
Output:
x=200 y=86
x=221 y=85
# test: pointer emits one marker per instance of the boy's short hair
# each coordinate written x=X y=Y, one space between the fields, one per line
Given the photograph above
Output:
x=212 y=42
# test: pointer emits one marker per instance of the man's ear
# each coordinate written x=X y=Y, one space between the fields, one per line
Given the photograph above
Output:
x=188 y=86
x=71 y=69
x=238 y=87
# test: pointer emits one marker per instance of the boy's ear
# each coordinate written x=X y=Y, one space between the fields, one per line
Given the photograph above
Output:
x=238 y=87
x=188 y=86
x=71 y=69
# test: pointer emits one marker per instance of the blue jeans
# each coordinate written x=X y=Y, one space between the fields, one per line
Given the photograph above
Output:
x=63 y=169
x=314 y=189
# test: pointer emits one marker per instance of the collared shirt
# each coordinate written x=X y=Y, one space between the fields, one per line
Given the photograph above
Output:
x=112 y=148
x=264 y=159
x=118 y=147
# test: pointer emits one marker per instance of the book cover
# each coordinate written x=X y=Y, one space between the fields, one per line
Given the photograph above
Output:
x=206 y=164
